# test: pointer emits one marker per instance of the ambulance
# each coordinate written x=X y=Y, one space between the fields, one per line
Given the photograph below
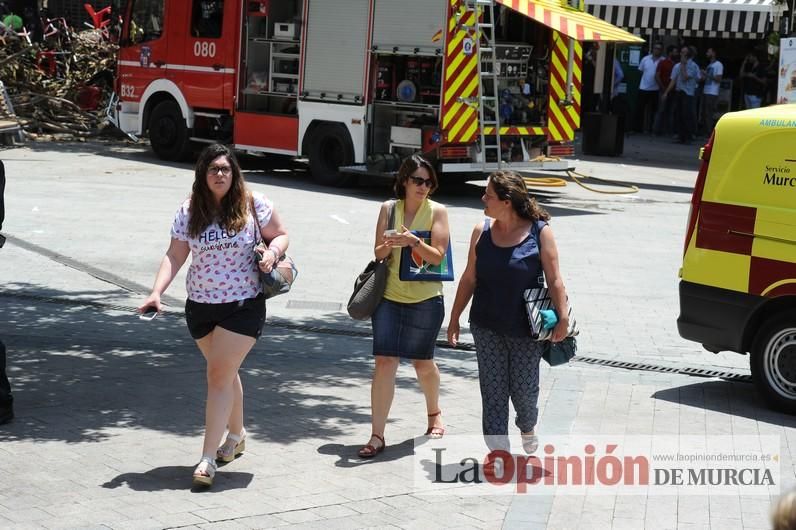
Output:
x=738 y=279
x=475 y=84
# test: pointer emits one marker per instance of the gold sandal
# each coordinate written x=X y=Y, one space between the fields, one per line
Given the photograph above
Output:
x=232 y=447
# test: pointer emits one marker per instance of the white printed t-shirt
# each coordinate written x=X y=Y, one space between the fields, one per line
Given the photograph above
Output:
x=222 y=263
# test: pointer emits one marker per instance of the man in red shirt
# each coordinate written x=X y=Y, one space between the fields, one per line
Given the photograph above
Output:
x=663 y=75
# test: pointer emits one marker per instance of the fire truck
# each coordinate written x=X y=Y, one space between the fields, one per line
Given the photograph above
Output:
x=351 y=85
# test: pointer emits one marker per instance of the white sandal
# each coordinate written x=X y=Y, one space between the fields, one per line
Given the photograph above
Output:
x=530 y=442
x=204 y=472
x=232 y=447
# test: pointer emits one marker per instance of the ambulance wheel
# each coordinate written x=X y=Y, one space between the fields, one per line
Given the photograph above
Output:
x=168 y=133
x=330 y=148
x=773 y=362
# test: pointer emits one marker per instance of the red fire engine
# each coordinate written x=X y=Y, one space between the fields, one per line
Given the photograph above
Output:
x=475 y=84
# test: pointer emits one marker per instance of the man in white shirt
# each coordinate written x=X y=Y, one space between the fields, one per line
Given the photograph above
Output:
x=648 y=94
x=712 y=75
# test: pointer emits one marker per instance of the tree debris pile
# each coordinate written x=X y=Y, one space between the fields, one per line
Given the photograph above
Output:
x=59 y=88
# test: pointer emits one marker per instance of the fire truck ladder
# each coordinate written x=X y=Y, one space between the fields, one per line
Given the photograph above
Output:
x=488 y=97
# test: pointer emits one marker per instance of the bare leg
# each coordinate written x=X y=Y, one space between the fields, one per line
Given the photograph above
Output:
x=225 y=351
x=428 y=378
x=382 y=391
x=235 y=421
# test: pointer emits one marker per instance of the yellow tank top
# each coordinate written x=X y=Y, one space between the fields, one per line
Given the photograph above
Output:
x=410 y=292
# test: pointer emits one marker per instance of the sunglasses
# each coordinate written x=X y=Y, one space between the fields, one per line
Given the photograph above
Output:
x=419 y=181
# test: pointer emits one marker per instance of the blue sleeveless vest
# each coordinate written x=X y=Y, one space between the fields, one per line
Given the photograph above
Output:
x=501 y=276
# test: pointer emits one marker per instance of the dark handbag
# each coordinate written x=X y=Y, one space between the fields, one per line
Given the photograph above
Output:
x=414 y=269
x=556 y=353
x=283 y=273
x=370 y=284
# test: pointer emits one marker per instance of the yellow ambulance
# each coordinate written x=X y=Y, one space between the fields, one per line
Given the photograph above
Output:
x=738 y=280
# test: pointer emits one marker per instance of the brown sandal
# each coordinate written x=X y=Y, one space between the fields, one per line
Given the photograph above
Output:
x=369 y=451
x=435 y=432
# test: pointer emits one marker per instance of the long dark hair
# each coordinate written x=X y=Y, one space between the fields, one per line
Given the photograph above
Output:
x=233 y=212
x=407 y=169
x=510 y=186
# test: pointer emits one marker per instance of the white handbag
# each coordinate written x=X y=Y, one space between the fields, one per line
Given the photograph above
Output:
x=537 y=299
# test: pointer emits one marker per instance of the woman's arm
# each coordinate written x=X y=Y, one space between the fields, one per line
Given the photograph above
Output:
x=464 y=292
x=555 y=284
x=174 y=259
x=381 y=247
x=276 y=234
x=440 y=235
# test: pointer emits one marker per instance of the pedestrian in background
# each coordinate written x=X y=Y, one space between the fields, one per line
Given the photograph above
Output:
x=407 y=321
x=753 y=76
x=712 y=74
x=504 y=260
x=684 y=81
x=664 y=119
x=589 y=102
x=225 y=310
x=648 y=90
x=6 y=398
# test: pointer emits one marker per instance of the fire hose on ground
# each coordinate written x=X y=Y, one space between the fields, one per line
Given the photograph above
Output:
x=556 y=182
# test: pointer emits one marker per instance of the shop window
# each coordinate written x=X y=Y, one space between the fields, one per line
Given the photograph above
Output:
x=207 y=18
x=146 y=22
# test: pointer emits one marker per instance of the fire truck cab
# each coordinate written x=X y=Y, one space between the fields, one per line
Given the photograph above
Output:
x=355 y=84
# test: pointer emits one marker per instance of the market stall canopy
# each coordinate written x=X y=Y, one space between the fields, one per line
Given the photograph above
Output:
x=690 y=18
x=570 y=21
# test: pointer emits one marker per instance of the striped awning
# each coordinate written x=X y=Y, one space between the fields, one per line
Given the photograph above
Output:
x=570 y=21
x=690 y=18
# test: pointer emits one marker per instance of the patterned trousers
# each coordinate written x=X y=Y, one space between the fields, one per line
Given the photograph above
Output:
x=508 y=367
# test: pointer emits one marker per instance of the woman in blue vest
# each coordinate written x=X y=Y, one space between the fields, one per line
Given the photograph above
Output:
x=505 y=260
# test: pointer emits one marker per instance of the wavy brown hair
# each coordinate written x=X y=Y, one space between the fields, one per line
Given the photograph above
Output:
x=233 y=213
x=407 y=169
x=510 y=186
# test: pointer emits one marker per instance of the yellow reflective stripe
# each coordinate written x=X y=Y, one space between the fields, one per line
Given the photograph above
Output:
x=470 y=132
x=453 y=87
x=461 y=121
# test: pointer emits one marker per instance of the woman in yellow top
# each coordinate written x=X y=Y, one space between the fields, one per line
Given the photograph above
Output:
x=407 y=321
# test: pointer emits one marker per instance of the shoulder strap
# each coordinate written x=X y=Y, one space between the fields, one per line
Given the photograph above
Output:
x=536 y=233
x=391 y=220
x=259 y=234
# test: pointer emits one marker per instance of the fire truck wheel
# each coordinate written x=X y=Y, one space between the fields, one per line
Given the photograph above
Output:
x=329 y=148
x=168 y=133
x=773 y=361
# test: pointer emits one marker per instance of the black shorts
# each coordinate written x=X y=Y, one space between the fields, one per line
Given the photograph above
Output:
x=245 y=317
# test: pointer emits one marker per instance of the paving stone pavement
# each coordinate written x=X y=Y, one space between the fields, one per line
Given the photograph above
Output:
x=110 y=408
x=110 y=413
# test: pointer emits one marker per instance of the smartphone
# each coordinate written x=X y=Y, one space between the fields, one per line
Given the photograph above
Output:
x=391 y=232
x=149 y=314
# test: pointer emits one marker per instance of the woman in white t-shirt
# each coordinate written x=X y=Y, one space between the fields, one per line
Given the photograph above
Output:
x=225 y=310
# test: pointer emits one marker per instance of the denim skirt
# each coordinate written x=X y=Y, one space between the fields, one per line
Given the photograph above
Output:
x=407 y=330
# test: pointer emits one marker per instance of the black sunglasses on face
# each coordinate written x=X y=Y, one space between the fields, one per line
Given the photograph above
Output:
x=418 y=181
